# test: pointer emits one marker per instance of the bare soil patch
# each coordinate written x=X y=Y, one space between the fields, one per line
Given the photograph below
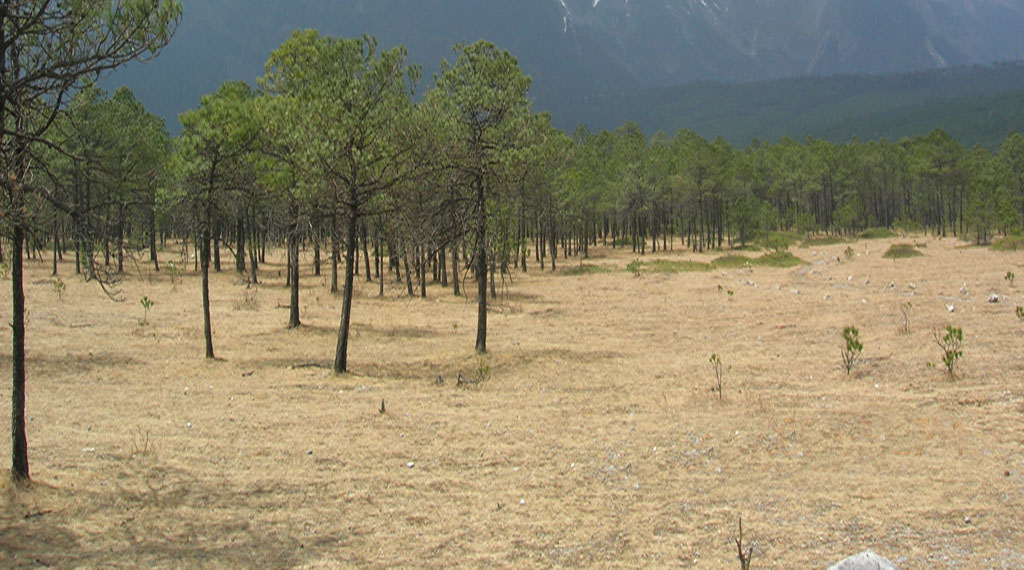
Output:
x=594 y=439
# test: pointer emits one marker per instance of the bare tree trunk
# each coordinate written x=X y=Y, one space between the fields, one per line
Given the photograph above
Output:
x=334 y=254
x=455 y=269
x=204 y=261
x=216 y=246
x=341 y=354
x=408 y=274
x=152 y=240
x=366 y=252
x=293 y=274
x=422 y=256
x=56 y=245
x=481 y=268
x=240 y=240
x=19 y=440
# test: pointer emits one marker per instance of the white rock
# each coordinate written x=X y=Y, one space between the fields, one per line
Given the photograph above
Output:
x=410 y=465
x=866 y=560
x=993 y=298
x=963 y=290
x=950 y=308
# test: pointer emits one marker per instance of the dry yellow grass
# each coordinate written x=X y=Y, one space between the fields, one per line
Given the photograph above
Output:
x=594 y=442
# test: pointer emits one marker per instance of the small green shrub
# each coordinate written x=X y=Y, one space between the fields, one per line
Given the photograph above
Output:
x=1020 y=313
x=877 y=233
x=901 y=251
x=821 y=241
x=849 y=254
x=147 y=304
x=1008 y=243
x=483 y=370
x=5 y=270
x=59 y=287
x=779 y=259
x=1010 y=277
x=780 y=241
x=174 y=272
x=951 y=345
x=852 y=347
x=716 y=368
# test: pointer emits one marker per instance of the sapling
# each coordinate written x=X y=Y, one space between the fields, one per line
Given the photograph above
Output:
x=744 y=555
x=716 y=367
x=905 y=309
x=59 y=287
x=147 y=304
x=951 y=345
x=174 y=272
x=852 y=347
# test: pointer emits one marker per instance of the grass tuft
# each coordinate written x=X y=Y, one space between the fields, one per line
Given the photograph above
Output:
x=586 y=269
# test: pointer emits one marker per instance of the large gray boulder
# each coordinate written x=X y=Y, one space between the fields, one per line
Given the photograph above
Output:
x=866 y=560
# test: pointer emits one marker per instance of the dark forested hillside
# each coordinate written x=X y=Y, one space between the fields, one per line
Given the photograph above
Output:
x=588 y=59
x=979 y=105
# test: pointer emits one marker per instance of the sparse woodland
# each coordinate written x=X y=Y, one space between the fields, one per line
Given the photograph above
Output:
x=344 y=153
x=342 y=147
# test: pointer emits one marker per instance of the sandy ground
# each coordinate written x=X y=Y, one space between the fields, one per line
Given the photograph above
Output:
x=593 y=441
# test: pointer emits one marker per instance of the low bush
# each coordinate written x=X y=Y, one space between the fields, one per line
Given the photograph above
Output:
x=901 y=251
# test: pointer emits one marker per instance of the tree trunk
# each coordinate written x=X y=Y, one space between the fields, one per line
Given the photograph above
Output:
x=293 y=275
x=216 y=247
x=366 y=252
x=422 y=256
x=152 y=240
x=316 y=255
x=408 y=274
x=120 y=240
x=19 y=440
x=481 y=268
x=455 y=269
x=56 y=245
x=334 y=254
x=240 y=240
x=341 y=354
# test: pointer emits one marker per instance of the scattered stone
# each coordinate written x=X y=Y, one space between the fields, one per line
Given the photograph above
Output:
x=913 y=287
x=951 y=308
x=439 y=381
x=309 y=452
x=993 y=298
x=867 y=282
x=795 y=291
x=866 y=560
x=963 y=290
x=410 y=465
x=892 y=285
x=828 y=297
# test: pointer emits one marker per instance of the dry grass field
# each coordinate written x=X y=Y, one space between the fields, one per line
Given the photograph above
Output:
x=594 y=440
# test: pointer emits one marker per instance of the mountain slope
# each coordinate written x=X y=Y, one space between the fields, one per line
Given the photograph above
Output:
x=582 y=53
x=978 y=105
